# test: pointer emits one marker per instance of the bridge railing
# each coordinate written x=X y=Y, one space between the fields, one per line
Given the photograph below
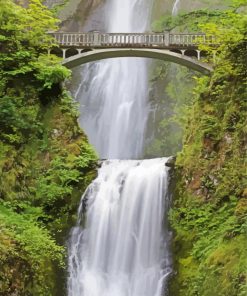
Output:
x=104 y=40
x=191 y=39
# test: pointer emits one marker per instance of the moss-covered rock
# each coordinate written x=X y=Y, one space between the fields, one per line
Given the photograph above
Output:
x=45 y=159
x=209 y=213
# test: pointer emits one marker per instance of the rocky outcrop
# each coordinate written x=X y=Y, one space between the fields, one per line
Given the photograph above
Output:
x=51 y=3
x=78 y=15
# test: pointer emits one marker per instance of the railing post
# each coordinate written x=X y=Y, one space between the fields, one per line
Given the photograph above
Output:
x=79 y=50
x=96 y=39
x=64 y=53
x=198 y=54
x=167 y=38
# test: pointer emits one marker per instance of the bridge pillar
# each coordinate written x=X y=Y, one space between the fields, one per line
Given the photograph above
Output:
x=167 y=38
x=183 y=51
x=198 y=54
x=79 y=50
x=96 y=39
x=64 y=53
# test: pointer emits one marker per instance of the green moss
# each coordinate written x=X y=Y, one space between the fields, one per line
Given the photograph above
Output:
x=171 y=98
x=26 y=255
x=209 y=213
x=45 y=159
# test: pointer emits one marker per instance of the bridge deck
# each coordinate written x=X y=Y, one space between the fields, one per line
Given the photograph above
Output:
x=127 y=40
x=181 y=48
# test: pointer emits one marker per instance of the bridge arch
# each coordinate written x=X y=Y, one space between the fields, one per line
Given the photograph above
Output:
x=165 y=55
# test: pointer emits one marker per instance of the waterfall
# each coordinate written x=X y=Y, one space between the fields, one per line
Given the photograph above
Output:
x=122 y=250
x=120 y=245
x=175 y=7
x=114 y=94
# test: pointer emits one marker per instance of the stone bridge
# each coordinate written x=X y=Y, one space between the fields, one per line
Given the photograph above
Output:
x=183 y=49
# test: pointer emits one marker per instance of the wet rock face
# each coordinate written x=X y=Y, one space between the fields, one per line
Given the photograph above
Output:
x=51 y=3
x=165 y=6
x=80 y=15
x=171 y=162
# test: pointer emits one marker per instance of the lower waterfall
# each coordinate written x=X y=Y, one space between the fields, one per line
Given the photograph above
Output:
x=120 y=245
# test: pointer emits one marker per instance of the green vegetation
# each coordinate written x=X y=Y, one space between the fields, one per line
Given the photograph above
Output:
x=186 y=21
x=173 y=84
x=45 y=159
x=58 y=7
x=209 y=213
x=192 y=21
x=171 y=99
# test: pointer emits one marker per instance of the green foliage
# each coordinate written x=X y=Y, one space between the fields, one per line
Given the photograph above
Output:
x=49 y=72
x=31 y=250
x=210 y=241
x=64 y=173
x=186 y=21
x=172 y=100
x=26 y=26
x=229 y=31
x=57 y=7
x=227 y=27
x=193 y=20
x=45 y=159
x=210 y=210
x=36 y=240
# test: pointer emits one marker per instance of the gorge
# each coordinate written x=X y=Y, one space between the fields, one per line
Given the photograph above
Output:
x=124 y=248
x=137 y=222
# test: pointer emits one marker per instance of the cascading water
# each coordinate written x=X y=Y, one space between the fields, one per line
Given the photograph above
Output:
x=114 y=94
x=122 y=247
x=122 y=251
x=175 y=7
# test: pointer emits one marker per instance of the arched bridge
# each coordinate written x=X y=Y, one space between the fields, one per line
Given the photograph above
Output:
x=183 y=49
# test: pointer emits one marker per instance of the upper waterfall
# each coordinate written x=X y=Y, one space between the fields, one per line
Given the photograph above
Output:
x=175 y=7
x=113 y=94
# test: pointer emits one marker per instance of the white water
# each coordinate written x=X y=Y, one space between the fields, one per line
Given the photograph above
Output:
x=113 y=94
x=175 y=7
x=122 y=251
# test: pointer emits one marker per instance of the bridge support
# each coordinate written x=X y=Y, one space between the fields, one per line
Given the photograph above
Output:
x=96 y=39
x=198 y=54
x=79 y=50
x=101 y=54
x=183 y=51
x=167 y=38
x=64 y=53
